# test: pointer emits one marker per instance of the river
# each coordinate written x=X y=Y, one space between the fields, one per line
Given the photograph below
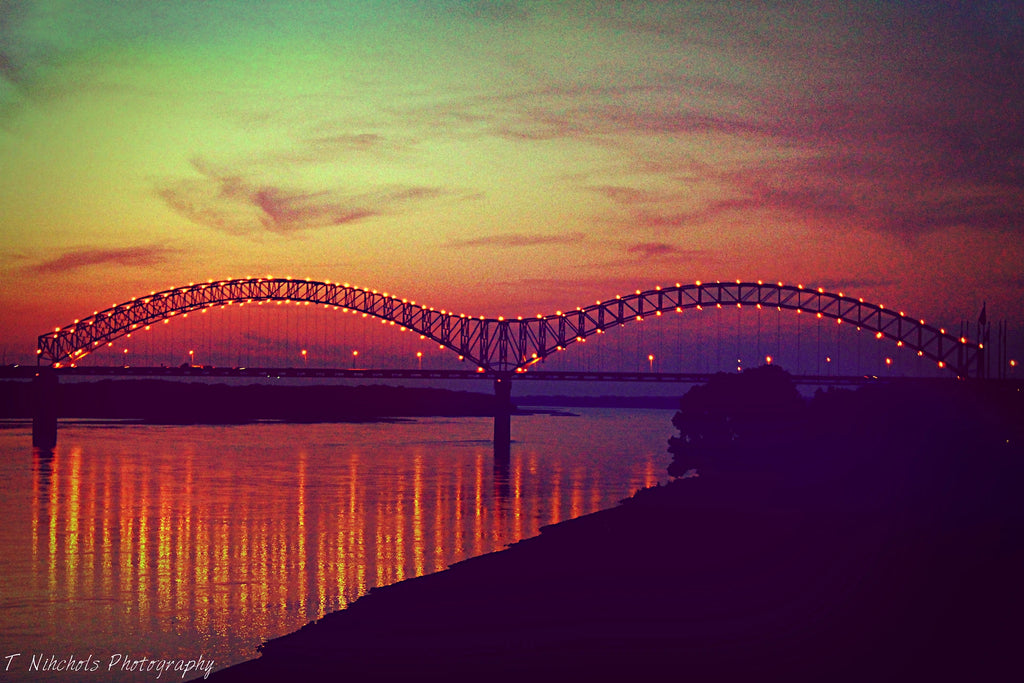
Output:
x=180 y=542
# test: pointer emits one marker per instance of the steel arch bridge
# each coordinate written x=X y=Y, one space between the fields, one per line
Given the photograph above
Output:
x=501 y=346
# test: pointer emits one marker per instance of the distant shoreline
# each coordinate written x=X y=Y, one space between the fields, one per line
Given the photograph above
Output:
x=172 y=402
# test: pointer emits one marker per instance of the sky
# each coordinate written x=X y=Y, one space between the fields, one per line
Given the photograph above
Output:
x=509 y=158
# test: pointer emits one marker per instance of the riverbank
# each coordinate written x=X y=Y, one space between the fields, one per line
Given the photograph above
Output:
x=166 y=401
x=736 y=575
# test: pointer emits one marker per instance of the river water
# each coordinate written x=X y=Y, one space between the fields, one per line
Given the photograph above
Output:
x=181 y=542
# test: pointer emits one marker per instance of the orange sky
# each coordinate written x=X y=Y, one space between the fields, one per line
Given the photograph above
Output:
x=510 y=158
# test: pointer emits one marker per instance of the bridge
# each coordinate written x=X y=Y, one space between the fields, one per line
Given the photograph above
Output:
x=499 y=348
x=505 y=346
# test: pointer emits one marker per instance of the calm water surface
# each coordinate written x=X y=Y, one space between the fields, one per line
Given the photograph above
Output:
x=173 y=542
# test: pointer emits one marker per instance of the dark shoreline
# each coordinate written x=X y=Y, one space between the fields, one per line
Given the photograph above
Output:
x=159 y=401
x=722 y=577
x=875 y=535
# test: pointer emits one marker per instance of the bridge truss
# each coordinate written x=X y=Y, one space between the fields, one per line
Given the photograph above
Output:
x=503 y=346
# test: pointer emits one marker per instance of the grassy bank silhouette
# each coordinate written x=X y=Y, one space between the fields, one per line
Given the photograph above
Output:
x=861 y=535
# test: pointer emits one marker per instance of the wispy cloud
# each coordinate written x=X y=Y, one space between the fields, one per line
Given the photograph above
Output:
x=646 y=251
x=127 y=257
x=233 y=203
x=515 y=240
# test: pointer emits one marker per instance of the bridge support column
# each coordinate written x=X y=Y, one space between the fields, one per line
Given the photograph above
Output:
x=502 y=419
x=44 y=408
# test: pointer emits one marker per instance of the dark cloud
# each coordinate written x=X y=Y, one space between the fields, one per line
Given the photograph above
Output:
x=128 y=257
x=514 y=240
x=646 y=251
x=232 y=203
x=620 y=194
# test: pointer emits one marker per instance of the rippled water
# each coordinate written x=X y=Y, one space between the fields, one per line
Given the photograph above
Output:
x=172 y=542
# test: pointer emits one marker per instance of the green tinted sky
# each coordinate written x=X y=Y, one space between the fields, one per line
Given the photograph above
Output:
x=510 y=158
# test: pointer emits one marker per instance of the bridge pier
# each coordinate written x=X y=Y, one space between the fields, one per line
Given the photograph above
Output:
x=502 y=419
x=44 y=408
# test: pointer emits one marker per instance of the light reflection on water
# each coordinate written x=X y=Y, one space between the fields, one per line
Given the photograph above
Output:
x=176 y=541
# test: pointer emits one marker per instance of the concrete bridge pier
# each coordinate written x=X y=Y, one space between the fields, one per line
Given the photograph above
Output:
x=44 y=408
x=502 y=419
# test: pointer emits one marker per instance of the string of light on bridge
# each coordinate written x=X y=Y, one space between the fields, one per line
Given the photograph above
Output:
x=505 y=344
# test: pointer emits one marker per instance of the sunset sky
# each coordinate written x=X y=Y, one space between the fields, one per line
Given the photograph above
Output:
x=510 y=157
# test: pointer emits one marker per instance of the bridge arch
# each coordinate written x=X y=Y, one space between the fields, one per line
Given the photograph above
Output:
x=500 y=345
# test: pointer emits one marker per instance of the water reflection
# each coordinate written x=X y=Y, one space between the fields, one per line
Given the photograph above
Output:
x=210 y=539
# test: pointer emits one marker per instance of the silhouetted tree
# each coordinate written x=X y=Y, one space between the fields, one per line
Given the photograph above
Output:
x=759 y=409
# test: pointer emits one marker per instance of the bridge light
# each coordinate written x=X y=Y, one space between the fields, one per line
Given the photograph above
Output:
x=820 y=290
x=963 y=340
x=638 y=291
x=768 y=360
x=899 y=343
x=942 y=364
x=878 y=335
x=819 y=315
x=1013 y=363
x=942 y=331
x=678 y=285
x=679 y=309
x=697 y=283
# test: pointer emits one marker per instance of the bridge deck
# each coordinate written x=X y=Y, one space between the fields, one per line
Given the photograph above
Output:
x=27 y=372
